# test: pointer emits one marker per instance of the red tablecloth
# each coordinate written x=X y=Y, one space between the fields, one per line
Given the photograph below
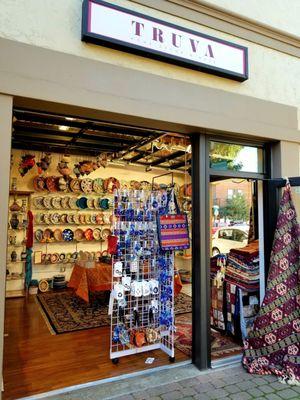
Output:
x=85 y=280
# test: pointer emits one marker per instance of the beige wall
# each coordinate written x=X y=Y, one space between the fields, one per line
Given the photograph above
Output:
x=5 y=132
x=56 y=24
x=279 y=14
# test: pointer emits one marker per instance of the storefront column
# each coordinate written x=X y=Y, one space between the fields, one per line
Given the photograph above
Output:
x=6 y=103
x=200 y=252
x=285 y=159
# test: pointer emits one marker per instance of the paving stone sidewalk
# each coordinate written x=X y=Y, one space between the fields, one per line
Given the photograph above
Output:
x=187 y=383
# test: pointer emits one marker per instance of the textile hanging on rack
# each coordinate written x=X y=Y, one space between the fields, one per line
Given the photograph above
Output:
x=273 y=346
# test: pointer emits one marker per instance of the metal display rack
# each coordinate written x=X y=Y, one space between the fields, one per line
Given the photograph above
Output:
x=144 y=271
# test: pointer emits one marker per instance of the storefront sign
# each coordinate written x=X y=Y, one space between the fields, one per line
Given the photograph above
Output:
x=113 y=26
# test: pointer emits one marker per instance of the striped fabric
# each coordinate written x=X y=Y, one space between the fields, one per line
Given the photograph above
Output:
x=173 y=232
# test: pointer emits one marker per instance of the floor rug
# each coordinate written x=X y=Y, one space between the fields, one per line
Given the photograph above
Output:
x=222 y=346
x=64 y=312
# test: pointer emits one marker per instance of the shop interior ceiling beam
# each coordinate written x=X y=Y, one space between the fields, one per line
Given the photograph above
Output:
x=142 y=154
x=101 y=147
x=181 y=164
x=92 y=135
x=56 y=149
x=101 y=126
x=141 y=143
x=167 y=158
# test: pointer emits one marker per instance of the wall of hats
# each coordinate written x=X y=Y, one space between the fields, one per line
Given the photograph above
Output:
x=73 y=215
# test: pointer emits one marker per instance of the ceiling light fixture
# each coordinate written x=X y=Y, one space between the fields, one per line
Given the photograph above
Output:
x=70 y=118
x=63 y=128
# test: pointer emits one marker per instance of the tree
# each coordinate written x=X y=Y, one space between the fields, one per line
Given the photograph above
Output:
x=224 y=156
x=236 y=208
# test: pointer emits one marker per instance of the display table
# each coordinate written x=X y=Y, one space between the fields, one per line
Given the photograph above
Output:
x=85 y=279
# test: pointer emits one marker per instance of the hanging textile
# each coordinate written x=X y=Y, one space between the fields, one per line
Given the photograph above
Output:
x=273 y=346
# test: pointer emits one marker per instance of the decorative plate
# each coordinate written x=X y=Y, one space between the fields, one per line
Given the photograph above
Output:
x=99 y=218
x=39 y=235
x=75 y=185
x=82 y=218
x=47 y=219
x=63 y=218
x=70 y=219
x=54 y=258
x=44 y=255
x=38 y=218
x=74 y=255
x=38 y=202
x=88 y=234
x=90 y=203
x=105 y=233
x=97 y=234
x=98 y=185
x=98 y=255
x=39 y=183
x=87 y=185
x=87 y=219
x=97 y=204
x=55 y=202
x=65 y=202
x=94 y=219
x=106 y=219
x=51 y=183
x=57 y=234
x=55 y=218
x=79 y=234
x=67 y=235
x=63 y=185
x=48 y=234
x=72 y=203
x=47 y=202
x=43 y=285
x=76 y=219
x=82 y=203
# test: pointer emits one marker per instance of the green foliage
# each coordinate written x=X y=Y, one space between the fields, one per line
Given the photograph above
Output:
x=236 y=208
x=223 y=156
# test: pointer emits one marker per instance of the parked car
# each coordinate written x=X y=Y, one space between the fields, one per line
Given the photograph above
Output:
x=227 y=238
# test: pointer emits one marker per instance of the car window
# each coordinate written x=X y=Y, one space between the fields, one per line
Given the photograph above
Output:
x=239 y=236
x=226 y=234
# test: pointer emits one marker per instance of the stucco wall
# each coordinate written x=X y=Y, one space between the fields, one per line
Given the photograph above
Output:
x=279 y=14
x=56 y=24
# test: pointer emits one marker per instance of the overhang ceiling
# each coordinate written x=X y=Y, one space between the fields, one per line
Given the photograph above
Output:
x=37 y=131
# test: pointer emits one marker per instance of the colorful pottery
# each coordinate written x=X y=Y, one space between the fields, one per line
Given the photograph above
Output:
x=67 y=235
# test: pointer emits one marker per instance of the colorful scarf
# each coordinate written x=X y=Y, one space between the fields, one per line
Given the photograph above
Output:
x=273 y=346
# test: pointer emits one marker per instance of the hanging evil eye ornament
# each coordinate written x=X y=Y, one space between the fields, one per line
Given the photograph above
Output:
x=116 y=332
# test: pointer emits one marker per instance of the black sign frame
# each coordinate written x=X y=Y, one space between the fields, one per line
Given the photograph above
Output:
x=106 y=41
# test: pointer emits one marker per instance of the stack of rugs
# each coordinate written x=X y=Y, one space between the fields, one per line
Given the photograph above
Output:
x=243 y=267
x=242 y=289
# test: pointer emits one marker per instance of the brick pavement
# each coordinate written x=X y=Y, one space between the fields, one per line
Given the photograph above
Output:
x=186 y=382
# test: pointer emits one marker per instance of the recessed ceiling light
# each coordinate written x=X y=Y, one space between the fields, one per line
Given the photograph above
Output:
x=63 y=128
x=70 y=118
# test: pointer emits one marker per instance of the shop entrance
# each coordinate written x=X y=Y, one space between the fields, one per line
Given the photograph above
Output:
x=236 y=245
x=68 y=233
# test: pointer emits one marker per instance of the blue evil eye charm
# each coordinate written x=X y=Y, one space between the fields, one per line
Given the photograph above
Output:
x=116 y=332
x=131 y=230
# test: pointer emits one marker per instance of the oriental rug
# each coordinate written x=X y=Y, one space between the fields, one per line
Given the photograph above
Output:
x=64 y=312
x=222 y=345
x=273 y=346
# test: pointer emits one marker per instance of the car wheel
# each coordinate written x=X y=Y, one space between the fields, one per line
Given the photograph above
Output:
x=215 y=251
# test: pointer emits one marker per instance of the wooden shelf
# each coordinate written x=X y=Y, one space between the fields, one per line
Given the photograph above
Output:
x=14 y=278
x=20 y=192
x=10 y=294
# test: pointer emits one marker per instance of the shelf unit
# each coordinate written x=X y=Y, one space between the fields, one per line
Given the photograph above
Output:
x=15 y=283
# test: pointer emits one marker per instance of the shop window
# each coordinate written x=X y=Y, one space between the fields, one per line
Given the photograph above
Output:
x=235 y=157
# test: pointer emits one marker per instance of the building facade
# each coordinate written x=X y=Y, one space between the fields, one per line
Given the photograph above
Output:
x=45 y=65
